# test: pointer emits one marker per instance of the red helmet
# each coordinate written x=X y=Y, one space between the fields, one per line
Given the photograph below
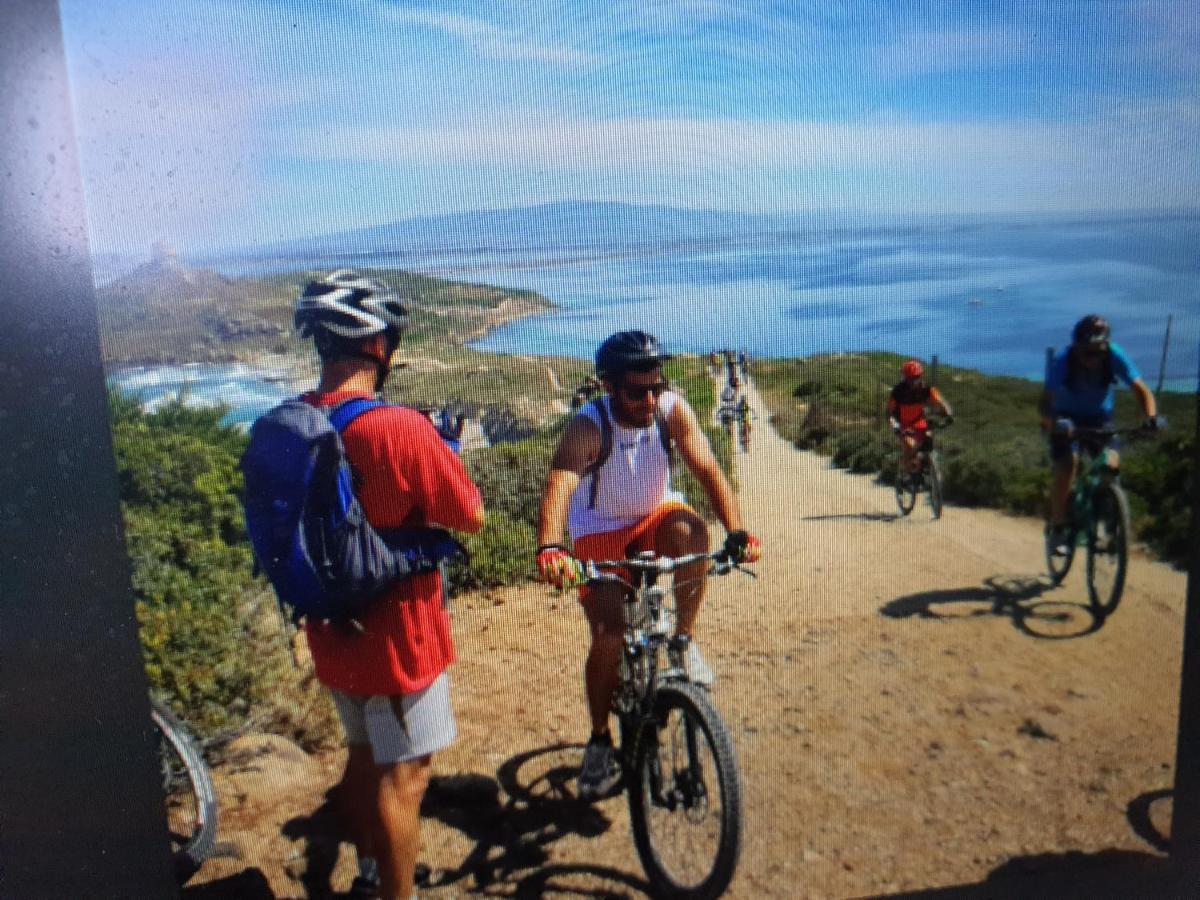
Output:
x=912 y=369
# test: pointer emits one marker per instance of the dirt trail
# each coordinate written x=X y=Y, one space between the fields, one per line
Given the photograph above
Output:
x=912 y=707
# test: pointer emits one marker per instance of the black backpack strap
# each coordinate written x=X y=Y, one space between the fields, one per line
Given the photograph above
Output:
x=664 y=436
x=606 y=442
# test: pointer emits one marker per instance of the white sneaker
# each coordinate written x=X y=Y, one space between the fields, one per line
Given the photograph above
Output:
x=698 y=671
x=600 y=772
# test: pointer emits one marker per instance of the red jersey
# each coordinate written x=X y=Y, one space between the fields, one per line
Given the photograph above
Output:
x=908 y=402
x=405 y=476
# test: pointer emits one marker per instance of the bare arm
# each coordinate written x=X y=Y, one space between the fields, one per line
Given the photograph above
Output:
x=940 y=402
x=579 y=446
x=1145 y=398
x=698 y=455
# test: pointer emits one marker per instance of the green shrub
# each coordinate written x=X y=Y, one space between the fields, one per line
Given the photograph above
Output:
x=501 y=553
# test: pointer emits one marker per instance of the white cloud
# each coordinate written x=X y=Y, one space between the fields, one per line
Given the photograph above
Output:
x=491 y=40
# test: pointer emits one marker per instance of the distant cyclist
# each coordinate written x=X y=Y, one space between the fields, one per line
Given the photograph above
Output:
x=1079 y=393
x=745 y=415
x=906 y=409
x=610 y=486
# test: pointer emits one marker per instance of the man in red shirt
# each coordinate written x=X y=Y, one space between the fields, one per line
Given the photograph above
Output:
x=388 y=680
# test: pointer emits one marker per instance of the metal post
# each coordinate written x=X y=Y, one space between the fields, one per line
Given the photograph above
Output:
x=1162 y=365
x=1185 y=824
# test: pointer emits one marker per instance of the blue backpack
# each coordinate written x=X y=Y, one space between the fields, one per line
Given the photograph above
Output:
x=309 y=533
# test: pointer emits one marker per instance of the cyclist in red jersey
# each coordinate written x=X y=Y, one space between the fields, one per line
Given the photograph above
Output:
x=906 y=408
x=388 y=680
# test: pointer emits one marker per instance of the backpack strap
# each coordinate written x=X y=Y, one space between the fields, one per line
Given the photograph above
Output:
x=347 y=411
x=606 y=442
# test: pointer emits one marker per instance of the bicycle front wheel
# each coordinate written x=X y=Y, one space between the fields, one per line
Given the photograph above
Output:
x=685 y=797
x=906 y=492
x=191 y=799
x=933 y=468
x=1107 y=548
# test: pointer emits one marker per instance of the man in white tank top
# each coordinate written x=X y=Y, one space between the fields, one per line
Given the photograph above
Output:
x=621 y=502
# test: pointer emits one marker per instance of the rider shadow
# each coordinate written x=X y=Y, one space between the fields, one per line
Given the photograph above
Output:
x=1005 y=596
x=860 y=517
x=512 y=820
x=322 y=832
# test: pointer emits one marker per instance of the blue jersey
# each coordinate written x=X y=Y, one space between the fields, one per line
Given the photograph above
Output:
x=1086 y=396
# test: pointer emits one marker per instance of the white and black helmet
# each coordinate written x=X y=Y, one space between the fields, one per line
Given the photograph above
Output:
x=348 y=306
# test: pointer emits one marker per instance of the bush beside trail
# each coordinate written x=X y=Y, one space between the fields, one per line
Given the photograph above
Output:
x=994 y=455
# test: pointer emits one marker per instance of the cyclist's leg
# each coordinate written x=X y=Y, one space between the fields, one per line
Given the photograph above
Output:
x=682 y=531
x=908 y=453
x=1064 y=457
x=602 y=605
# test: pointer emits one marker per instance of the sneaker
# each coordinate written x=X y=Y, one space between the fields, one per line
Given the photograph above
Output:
x=1060 y=540
x=698 y=671
x=600 y=772
x=363 y=889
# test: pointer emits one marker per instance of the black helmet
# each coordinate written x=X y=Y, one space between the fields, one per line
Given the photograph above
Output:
x=1091 y=330
x=344 y=305
x=628 y=350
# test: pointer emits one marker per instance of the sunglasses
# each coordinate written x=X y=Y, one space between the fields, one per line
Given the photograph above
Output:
x=635 y=392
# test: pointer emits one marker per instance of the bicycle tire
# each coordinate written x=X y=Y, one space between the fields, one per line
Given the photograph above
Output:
x=906 y=492
x=933 y=469
x=180 y=757
x=700 y=722
x=1108 y=539
x=1057 y=564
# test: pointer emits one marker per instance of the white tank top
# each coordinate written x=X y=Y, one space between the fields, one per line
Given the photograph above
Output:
x=634 y=481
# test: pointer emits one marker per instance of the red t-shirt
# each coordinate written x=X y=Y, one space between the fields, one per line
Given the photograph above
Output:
x=405 y=476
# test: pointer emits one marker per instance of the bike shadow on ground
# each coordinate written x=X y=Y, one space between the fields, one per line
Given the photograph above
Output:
x=513 y=819
x=1014 y=597
x=858 y=516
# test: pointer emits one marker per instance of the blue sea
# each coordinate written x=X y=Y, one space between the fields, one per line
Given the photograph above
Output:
x=248 y=391
x=986 y=295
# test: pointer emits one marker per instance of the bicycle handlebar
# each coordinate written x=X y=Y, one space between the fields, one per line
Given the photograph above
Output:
x=600 y=569
x=1109 y=431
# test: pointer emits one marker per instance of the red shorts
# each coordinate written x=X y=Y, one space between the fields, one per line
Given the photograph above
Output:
x=624 y=542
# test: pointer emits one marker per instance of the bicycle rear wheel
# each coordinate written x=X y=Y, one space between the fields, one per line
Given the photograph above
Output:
x=191 y=799
x=1107 y=548
x=906 y=492
x=933 y=470
x=685 y=797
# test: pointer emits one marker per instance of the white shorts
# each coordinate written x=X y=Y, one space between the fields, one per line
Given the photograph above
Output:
x=402 y=727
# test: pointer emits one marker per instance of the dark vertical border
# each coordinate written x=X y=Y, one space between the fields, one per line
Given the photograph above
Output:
x=81 y=808
x=1185 y=820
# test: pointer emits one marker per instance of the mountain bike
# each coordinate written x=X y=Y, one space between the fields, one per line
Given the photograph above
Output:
x=1099 y=521
x=675 y=751
x=928 y=476
x=188 y=786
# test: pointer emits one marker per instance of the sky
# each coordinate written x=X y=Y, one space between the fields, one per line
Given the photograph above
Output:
x=221 y=124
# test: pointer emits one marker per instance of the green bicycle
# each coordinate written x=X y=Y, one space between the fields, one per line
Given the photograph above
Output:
x=1099 y=521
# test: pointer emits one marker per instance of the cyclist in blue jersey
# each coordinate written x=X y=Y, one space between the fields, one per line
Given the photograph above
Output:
x=1079 y=393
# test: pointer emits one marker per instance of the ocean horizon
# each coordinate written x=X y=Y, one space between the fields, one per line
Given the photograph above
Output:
x=987 y=296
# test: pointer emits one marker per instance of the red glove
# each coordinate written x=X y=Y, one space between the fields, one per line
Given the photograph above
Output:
x=559 y=568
